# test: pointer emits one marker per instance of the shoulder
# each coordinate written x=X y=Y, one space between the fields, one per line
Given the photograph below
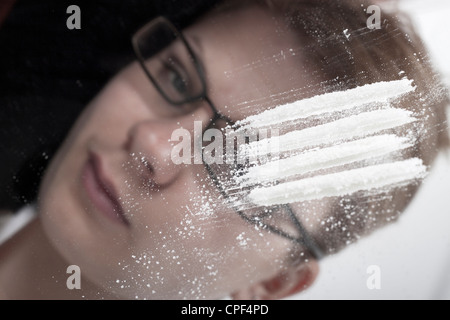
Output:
x=10 y=223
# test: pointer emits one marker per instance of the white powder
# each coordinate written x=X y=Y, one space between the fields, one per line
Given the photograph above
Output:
x=340 y=184
x=358 y=137
x=360 y=125
x=380 y=92
x=325 y=158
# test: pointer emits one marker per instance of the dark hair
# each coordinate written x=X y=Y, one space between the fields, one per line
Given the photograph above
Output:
x=49 y=73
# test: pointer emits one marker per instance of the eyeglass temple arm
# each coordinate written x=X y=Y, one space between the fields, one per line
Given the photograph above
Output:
x=305 y=239
x=217 y=114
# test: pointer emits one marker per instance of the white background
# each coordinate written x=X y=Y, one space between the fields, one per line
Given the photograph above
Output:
x=414 y=253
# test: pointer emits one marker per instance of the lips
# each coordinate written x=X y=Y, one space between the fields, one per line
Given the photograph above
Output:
x=101 y=191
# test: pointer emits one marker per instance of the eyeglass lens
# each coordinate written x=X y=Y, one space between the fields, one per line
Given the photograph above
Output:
x=169 y=63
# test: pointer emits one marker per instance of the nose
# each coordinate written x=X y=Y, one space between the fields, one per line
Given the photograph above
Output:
x=150 y=146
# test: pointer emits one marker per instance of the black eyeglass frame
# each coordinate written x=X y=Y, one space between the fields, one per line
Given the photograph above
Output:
x=305 y=238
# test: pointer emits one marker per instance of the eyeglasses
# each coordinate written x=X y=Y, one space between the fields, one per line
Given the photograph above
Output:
x=174 y=70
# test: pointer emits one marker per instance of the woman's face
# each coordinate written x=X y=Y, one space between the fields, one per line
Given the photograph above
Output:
x=115 y=204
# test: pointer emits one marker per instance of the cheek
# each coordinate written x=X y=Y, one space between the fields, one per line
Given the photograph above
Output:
x=107 y=119
x=113 y=113
x=60 y=200
x=103 y=120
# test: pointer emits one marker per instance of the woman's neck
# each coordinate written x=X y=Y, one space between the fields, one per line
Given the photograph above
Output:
x=31 y=268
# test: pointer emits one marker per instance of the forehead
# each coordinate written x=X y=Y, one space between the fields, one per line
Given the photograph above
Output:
x=252 y=60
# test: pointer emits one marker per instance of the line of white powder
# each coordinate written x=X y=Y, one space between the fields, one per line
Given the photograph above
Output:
x=380 y=92
x=352 y=127
x=325 y=158
x=343 y=132
x=340 y=184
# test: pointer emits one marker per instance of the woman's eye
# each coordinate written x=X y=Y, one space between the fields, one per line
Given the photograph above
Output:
x=177 y=79
x=178 y=82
